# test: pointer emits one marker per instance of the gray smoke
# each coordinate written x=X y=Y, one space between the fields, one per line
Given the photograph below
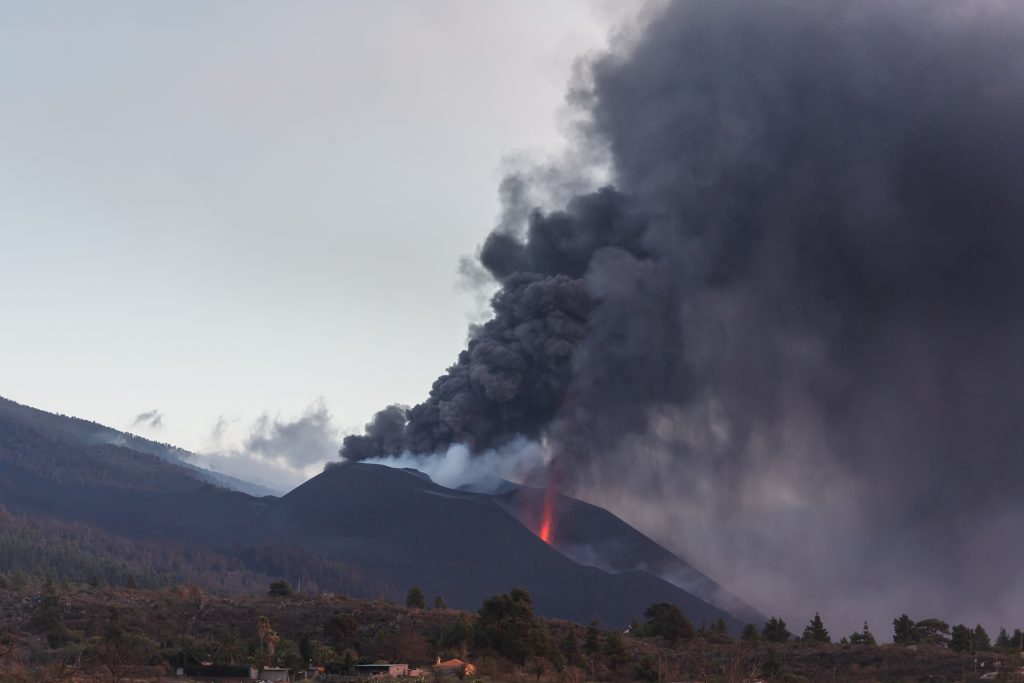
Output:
x=152 y=419
x=787 y=338
x=307 y=440
x=275 y=452
x=508 y=382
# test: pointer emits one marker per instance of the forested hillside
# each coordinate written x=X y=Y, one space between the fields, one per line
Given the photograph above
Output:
x=76 y=432
x=33 y=548
x=50 y=456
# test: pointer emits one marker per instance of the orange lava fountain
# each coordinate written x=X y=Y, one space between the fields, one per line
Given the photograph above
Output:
x=545 y=528
x=546 y=520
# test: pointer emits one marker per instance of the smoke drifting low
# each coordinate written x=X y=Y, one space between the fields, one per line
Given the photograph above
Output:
x=787 y=339
x=484 y=472
x=275 y=452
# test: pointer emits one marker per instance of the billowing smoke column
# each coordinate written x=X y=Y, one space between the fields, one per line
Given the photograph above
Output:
x=788 y=338
x=512 y=380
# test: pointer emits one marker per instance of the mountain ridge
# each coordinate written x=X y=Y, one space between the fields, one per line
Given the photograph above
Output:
x=386 y=524
x=94 y=433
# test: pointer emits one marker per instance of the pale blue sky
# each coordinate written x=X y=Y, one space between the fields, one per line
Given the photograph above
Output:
x=234 y=208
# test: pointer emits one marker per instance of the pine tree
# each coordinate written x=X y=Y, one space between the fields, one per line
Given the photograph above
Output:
x=750 y=633
x=982 y=643
x=415 y=598
x=775 y=631
x=615 y=650
x=593 y=644
x=903 y=630
x=571 y=648
x=666 y=621
x=1003 y=641
x=542 y=645
x=815 y=632
x=506 y=623
x=960 y=639
x=863 y=637
x=718 y=632
x=933 y=631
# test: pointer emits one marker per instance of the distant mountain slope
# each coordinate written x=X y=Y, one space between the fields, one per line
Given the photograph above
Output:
x=56 y=459
x=67 y=508
x=115 y=488
x=88 y=433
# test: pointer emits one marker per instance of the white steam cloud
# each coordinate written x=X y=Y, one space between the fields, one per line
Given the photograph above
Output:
x=518 y=461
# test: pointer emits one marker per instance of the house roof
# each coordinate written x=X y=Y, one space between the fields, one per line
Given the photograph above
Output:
x=450 y=663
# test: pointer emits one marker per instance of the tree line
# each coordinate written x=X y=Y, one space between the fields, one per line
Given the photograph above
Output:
x=336 y=634
x=906 y=631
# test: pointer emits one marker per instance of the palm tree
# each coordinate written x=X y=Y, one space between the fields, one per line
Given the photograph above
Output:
x=229 y=649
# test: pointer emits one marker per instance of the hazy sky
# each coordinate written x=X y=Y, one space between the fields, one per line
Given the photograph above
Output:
x=227 y=211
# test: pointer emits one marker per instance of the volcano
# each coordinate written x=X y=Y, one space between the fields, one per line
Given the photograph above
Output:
x=391 y=526
x=594 y=537
x=463 y=545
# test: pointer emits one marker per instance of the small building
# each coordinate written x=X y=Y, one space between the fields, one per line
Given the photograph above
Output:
x=453 y=667
x=274 y=674
x=382 y=670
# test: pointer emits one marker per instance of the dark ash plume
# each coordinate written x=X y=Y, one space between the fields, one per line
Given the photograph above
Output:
x=799 y=314
x=509 y=381
x=385 y=435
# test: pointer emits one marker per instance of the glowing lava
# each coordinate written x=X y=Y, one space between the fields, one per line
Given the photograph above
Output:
x=545 y=528
x=546 y=520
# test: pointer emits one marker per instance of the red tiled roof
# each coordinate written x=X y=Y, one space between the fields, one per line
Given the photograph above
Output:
x=451 y=663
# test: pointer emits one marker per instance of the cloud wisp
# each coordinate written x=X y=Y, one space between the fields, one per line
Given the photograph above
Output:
x=150 y=419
